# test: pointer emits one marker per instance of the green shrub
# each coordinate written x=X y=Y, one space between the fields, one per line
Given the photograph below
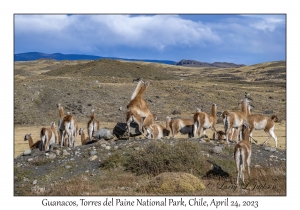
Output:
x=159 y=157
x=113 y=161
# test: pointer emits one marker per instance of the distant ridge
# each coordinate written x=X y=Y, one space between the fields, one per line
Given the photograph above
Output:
x=31 y=56
x=193 y=63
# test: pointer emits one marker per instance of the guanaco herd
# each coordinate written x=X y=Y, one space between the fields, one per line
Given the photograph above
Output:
x=238 y=125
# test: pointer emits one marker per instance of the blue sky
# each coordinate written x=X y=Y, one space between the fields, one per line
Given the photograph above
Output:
x=241 y=39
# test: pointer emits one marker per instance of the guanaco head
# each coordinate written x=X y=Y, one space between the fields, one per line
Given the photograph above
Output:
x=274 y=118
x=246 y=130
x=27 y=137
x=136 y=80
x=154 y=116
x=80 y=131
x=198 y=110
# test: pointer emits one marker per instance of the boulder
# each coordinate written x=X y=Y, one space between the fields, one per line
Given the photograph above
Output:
x=27 y=152
x=103 y=133
x=217 y=149
x=121 y=129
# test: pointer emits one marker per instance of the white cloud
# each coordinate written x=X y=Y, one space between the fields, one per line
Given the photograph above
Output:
x=157 y=31
x=266 y=22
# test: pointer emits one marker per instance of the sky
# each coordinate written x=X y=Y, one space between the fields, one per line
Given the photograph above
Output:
x=238 y=38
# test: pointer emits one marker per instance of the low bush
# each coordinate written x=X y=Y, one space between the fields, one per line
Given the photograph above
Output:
x=159 y=157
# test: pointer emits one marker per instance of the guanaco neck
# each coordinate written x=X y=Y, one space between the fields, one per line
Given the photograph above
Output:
x=142 y=89
x=61 y=111
x=247 y=135
x=137 y=89
x=30 y=142
x=214 y=110
x=245 y=107
x=92 y=115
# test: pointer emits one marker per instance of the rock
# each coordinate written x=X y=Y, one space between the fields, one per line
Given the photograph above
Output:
x=268 y=111
x=272 y=156
x=30 y=159
x=34 y=182
x=108 y=147
x=91 y=153
x=206 y=139
x=52 y=155
x=68 y=166
x=94 y=157
x=103 y=133
x=176 y=112
x=270 y=149
x=217 y=149
x=58 y=152
x=27 y=152
x=121 y=129
x=65 y=152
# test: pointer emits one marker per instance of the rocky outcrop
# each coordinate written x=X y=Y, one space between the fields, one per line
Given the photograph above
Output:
x=193 y=63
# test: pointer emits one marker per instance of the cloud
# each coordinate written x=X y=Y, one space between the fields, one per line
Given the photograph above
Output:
x=145 y=31
x=266 y=22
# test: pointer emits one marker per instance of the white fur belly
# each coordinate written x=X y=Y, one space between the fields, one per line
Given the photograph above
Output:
x=52 y=140
x=260 y=125
x=142 y=114
x=206 y=124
